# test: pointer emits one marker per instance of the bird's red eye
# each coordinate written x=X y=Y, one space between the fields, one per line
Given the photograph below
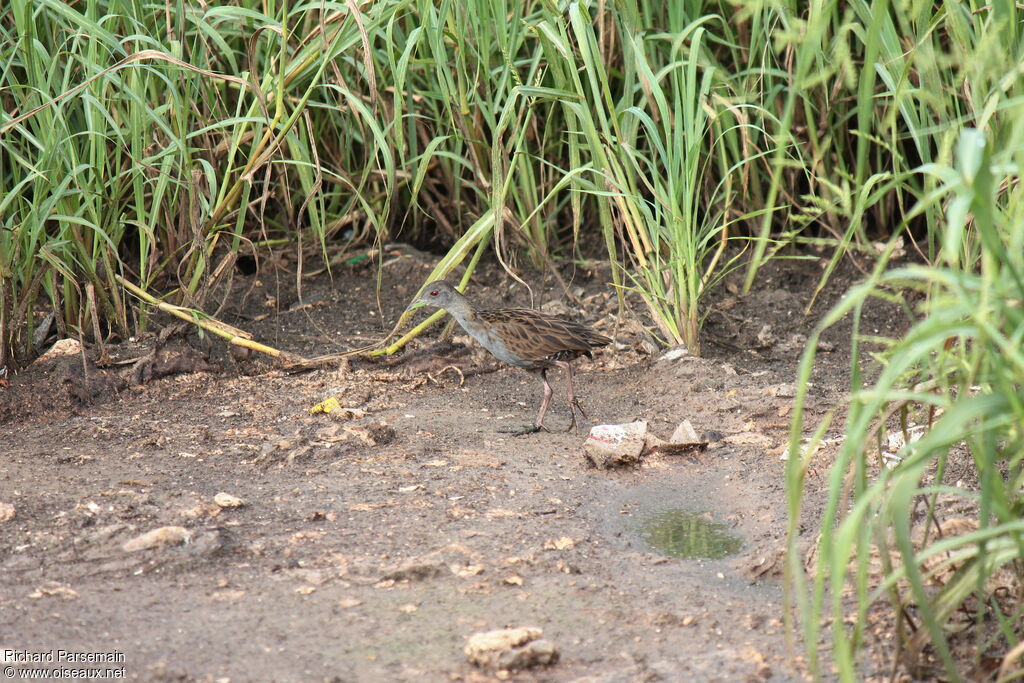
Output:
x=434 y=293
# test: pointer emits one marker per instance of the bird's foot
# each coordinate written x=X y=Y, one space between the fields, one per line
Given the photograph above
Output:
x=577 y=406
x=573 y=407
x=532 y=429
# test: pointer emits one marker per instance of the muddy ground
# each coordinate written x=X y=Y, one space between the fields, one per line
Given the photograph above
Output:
x=373 y=543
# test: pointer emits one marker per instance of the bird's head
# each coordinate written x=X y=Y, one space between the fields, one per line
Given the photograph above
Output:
x=437 y=294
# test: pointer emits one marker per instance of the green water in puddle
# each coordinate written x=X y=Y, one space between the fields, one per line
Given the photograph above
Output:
x=689 y=535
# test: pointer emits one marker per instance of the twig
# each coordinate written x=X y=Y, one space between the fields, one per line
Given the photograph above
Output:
x=233 y=335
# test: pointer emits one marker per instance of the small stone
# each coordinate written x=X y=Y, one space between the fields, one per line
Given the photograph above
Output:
x=563 y=543
x=466 y=571
x=510 y=649
x=684 y=441
x=502 y=639
x=157 y=538
x=787 y=390
x=414 y=570
x=226 y=500
x=201 y=509
x=765 y=336
x=206 y=543
x=684 y=434
x=7 y=512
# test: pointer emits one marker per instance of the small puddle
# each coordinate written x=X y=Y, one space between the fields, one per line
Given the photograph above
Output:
x=689 y=535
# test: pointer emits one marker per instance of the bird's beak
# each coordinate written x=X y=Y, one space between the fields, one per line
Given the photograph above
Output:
x=418 y=303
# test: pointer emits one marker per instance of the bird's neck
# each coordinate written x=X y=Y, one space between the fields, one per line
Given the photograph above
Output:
x=462 y=309
x=465 y=313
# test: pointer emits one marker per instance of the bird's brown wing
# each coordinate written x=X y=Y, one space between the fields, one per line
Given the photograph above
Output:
x=538 y=338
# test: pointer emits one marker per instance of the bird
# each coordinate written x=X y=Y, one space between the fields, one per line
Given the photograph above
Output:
x=522 y=337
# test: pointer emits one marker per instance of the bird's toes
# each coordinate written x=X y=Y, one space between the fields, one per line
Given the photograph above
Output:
x=532 y=429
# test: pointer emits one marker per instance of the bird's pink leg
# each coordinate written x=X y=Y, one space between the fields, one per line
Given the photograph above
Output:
x=574 y=403
x=545 y=402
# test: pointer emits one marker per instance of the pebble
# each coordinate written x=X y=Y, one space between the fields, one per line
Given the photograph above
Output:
x=510 y=649
x=156 y=538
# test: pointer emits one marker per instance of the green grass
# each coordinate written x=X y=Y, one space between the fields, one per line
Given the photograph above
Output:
x=958 y=372
x=160 y=141
x=949 y=106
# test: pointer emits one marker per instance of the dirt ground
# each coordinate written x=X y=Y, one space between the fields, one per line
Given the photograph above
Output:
x=372 y=543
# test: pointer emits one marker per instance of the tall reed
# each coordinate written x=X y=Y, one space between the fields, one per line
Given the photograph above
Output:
x=887 y=532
